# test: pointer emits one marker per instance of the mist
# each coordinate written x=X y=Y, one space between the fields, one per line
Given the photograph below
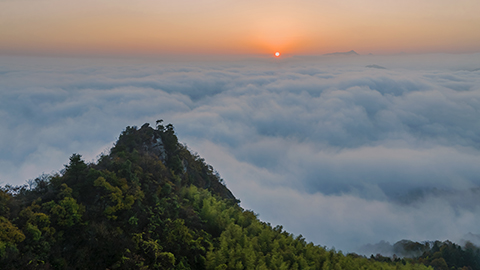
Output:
x=329 y=147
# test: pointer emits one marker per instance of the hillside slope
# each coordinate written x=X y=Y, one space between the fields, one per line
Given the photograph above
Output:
x=149 y=204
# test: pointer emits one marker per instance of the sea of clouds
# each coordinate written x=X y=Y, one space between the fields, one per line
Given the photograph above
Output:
x=339 y=152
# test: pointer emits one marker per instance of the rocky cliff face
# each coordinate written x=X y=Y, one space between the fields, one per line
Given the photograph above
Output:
x=156 y=147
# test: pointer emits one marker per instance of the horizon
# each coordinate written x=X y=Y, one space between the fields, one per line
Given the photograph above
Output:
x=194 y=57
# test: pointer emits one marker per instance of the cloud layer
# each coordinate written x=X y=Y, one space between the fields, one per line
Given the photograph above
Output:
x=339 y=152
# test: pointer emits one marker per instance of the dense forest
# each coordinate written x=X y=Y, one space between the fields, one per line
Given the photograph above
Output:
x=152 y=204
x=440 y=255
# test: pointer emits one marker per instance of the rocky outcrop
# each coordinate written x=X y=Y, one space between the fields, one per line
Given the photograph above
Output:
x=156 y=147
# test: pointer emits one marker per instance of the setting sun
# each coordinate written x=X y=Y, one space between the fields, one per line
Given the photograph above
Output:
x=277 y=54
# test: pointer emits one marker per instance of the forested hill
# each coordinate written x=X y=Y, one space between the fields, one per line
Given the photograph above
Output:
x=149 y=204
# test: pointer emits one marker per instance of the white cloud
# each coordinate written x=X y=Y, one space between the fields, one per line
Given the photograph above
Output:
x=326 y=146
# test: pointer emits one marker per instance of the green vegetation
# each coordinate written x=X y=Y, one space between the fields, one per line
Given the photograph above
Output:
x=440 y=255
x=150 y=204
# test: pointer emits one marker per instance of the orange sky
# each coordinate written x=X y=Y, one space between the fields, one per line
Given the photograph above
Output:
x=238 y=27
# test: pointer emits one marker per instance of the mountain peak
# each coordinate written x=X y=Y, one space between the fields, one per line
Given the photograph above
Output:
x=152 y=204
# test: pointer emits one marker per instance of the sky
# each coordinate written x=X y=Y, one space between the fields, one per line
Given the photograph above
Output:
x=346 y=151
x=301 y=27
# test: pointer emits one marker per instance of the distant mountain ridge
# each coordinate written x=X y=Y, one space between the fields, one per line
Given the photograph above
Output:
x=350 y=53
x=375 y=66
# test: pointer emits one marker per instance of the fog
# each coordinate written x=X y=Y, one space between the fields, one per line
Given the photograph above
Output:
x=343 y=150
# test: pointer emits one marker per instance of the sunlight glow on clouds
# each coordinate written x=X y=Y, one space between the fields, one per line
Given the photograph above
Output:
x=339 y=152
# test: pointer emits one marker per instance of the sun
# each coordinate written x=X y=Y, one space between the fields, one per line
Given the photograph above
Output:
x=277 y=54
